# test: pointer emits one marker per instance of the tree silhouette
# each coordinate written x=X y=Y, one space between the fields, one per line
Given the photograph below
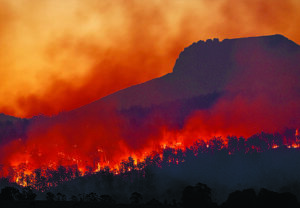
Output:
x=10 y=193
x=61 y=197
x=154 y=203
x=242 y=145
x=74 y=198
x=106 y=200
x=127 y=165
x=135 y=198
x=28 y=194
x=267 y=198
x=237 y=199
x=233 y=144
x=91 y=197
x=168 y=156
x=198 y=195
x=216 y=144
x=50 y=196
x=200 y=147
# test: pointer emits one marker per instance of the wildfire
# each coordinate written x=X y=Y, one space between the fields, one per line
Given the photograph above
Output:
x=19 y=179
x=294 y=146
x=25 y=172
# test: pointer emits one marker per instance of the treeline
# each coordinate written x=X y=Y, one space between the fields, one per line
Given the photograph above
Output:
x=12 y=193
x=192 y=196
x=140 y=172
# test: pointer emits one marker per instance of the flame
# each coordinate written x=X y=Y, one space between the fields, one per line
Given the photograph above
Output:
x=100 y=137
x=93 y=144
x=24 y=173
x=294 y=146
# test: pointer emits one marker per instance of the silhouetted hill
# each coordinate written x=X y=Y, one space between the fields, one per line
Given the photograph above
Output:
x=12 y=128
x=255 y=74
x=240 y=86
x=207 y=67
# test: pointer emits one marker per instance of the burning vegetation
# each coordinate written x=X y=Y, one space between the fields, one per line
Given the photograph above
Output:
x=68 y=167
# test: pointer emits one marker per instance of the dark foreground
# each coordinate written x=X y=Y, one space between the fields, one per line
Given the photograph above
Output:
x=192 y=197
x=66 y=204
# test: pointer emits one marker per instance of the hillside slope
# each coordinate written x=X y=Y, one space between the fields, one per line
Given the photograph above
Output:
x=233 y=87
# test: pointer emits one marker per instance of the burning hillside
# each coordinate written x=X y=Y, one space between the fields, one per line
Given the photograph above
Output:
x=233 y=87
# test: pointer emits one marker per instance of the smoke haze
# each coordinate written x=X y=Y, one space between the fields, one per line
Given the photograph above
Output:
x=56 y=56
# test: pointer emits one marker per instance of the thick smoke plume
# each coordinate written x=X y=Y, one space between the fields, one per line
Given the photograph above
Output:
x=257 y=91
x=57 y=56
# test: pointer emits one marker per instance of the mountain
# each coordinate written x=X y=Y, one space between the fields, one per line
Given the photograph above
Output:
x=12 y=128
x=231 y=87
x=259 y=73
x=204 y=68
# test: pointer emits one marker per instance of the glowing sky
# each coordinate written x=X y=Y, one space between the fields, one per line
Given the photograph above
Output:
x=58 y=55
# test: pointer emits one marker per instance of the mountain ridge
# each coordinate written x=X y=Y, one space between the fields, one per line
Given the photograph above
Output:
x=182 y=81
x=214 y=70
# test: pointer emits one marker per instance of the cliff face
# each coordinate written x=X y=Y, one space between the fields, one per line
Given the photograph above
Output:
x=261 y=71
x=215 y=54
x=234 y=87
x=246 y=79
x=212 y=67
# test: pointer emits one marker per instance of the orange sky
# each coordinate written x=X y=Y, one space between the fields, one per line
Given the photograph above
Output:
x=58 y=55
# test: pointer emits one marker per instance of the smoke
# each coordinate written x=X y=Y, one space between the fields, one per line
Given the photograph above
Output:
x=259 y=92
x=95 y=49
x=57 y=56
